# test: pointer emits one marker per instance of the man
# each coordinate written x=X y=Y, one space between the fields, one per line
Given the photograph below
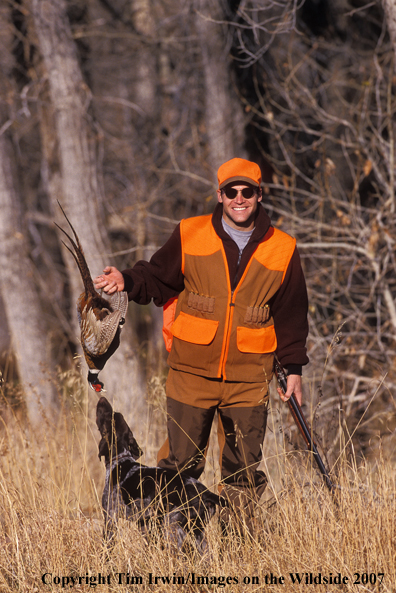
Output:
x=241 y=295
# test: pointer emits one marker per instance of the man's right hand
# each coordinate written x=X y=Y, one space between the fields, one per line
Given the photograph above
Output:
x=110 y=281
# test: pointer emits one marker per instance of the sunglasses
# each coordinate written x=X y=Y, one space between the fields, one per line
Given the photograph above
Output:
x=232 y=193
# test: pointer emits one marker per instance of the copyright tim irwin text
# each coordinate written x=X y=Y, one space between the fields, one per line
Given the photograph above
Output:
x=220 y=581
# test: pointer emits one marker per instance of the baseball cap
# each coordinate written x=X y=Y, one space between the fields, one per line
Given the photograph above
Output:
x=239 y=170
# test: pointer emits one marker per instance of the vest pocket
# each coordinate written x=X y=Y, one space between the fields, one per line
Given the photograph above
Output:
x=194 y=329
x=256 y=341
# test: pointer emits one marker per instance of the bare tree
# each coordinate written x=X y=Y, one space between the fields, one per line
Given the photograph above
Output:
x=23 y=309
x=80 y=180
x=223 y=112
x=390 y=12
x=146 y=68
x=22 y=304
x=323 y=107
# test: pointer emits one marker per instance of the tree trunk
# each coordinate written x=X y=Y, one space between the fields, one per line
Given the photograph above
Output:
x=21 y=301
x=20 y=297
x=390 y=12
x=70 y=99
x=224 y=116
x=80 y=183
x=145 y=70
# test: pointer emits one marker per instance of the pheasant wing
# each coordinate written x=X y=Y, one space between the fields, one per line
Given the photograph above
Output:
x=98 y=330
x=119 y=302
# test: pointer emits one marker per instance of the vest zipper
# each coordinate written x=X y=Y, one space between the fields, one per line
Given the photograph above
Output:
x=227 y=334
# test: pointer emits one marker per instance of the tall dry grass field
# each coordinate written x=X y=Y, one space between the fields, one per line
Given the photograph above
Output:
x=51 y=525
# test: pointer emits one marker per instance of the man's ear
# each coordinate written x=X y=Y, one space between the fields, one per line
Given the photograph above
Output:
x=219 y=196
x=259 y=194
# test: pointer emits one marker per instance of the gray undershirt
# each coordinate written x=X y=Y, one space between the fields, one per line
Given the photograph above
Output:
x=241 y=238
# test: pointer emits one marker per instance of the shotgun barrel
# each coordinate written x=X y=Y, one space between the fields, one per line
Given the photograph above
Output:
x=299 y=419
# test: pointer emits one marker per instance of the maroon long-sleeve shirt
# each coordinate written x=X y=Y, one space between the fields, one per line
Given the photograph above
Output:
x=161 y=279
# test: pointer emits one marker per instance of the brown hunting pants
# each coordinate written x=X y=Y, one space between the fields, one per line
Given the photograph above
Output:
x=192 y=402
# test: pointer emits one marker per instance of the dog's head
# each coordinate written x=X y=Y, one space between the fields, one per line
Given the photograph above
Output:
x=116 y=434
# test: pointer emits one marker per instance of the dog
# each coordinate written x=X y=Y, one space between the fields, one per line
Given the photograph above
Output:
x=180 y=504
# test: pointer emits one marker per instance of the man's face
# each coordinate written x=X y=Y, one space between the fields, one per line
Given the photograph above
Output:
x=239 y=212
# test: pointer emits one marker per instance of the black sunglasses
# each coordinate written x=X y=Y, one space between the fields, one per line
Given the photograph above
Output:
x=232 y=193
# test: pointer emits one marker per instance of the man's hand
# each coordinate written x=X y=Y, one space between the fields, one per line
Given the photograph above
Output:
x=110 y=281
x=294 y=385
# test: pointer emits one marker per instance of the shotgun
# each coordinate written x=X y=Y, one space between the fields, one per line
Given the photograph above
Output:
x=299 y=419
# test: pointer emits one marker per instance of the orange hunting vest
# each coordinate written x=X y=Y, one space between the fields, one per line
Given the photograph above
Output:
x=216 y=332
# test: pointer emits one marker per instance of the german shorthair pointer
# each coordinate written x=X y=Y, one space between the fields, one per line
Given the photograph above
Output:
x=179 y=503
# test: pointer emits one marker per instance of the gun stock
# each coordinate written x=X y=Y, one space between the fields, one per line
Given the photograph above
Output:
x=301 y=422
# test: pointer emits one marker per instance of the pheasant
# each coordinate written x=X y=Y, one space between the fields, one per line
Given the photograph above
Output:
x=100 y=319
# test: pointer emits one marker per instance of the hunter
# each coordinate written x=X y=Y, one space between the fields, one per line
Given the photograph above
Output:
x=233 y=293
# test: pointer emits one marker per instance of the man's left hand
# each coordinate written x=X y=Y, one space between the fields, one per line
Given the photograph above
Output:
x=294 y=385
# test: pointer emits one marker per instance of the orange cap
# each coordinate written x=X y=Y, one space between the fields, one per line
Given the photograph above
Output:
x=239 y=170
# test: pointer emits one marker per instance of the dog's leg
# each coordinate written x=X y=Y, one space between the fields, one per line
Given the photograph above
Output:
x=109 y=529
x=174 y=529
x=202 y=544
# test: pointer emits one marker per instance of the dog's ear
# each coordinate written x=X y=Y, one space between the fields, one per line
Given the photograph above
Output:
x=125 y=438
x=134 y=447
x=104 y=448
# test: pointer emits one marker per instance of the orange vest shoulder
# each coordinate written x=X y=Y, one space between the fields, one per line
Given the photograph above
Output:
x=276 y=250
x=198 y=236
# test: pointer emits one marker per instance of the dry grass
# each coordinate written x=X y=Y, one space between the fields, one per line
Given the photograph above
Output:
x=50 y=486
